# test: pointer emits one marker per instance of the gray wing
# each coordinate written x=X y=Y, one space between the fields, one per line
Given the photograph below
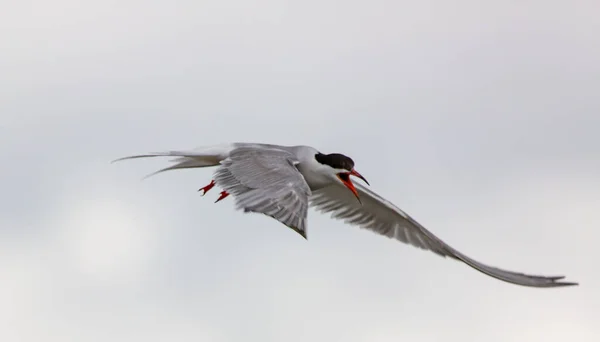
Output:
x=266 y=180
x=383 y=217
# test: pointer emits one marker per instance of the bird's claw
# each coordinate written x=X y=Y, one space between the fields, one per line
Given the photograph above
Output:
x=207 y=188
x=223 y=195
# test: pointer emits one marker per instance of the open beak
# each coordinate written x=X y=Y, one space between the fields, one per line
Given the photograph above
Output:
x=356 y=174
x=345 y=178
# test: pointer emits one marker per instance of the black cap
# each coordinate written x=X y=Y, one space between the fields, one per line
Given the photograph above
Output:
x=335 y=160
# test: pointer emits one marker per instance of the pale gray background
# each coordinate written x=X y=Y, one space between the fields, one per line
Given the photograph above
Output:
x=479 y=120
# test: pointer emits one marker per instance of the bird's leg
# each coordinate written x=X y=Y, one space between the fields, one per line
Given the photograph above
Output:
x=223 y=195
x=207 y=188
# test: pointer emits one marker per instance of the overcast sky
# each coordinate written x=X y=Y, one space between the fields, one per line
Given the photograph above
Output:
x=481 y=121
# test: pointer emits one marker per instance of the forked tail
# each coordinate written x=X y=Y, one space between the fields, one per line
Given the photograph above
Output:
x=199 y=157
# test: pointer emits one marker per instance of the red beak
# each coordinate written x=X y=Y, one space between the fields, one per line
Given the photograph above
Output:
x=345 y=178
x=356 y=174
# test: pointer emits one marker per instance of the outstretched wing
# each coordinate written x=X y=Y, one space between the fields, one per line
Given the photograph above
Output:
x=266 y=180
x=383 y=217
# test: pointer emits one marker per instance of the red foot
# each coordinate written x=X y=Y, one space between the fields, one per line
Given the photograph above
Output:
x=207 y=188
x=223 y=195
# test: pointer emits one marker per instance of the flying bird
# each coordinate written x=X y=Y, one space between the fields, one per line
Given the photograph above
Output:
x=284 y=181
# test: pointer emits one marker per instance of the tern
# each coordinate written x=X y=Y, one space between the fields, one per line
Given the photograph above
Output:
x=284 y=181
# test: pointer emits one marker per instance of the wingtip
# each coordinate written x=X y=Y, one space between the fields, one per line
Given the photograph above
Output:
x=566 y=283
x=300 y=232
x=554 y=281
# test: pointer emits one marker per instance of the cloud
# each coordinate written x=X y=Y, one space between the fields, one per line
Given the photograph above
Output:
x=480 y=121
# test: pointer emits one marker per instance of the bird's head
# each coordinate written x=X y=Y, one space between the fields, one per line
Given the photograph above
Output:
x=342 y=167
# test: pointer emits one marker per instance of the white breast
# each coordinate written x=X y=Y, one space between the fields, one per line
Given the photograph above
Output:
x=316 y=174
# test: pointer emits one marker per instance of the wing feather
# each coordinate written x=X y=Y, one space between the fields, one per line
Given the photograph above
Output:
x=383 y=217
x=266 y=181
